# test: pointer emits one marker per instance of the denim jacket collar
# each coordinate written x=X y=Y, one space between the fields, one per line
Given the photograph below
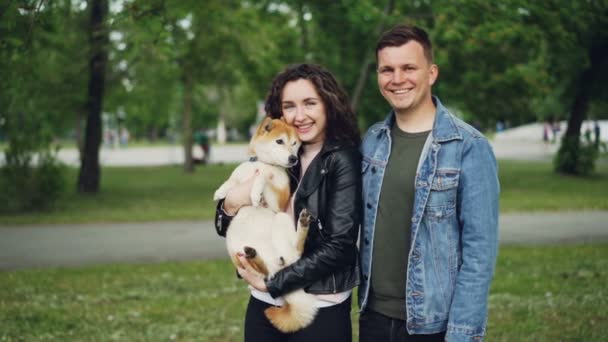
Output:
x=444 y=127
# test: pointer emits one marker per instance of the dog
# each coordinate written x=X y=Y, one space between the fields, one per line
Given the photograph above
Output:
x=263 y=232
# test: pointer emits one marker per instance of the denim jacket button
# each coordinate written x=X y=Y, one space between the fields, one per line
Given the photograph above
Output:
x=369 y=205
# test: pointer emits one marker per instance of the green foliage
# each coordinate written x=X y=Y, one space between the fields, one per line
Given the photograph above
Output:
x=31 y=178
x=227 y=48
x=517 y=60
x=576 y=157
x=42 y=57
x=27 y=188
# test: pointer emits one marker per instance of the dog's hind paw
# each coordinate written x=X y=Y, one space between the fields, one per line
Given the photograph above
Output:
x=250 y=252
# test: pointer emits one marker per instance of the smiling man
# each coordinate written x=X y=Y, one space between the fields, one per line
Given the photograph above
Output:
x=430 y=190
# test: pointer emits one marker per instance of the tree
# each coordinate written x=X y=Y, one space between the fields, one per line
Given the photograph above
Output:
x=577 y=52
x=369 y=57
x=32 y=101
x=89 y=175
x=205 y=52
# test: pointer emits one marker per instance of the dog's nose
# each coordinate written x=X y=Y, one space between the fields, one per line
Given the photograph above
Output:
x=293 y=159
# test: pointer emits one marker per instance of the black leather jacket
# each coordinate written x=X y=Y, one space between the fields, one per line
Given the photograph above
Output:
x=331 y=191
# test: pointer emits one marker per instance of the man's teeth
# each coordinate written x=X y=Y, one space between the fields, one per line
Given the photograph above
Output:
x=401 y=91
x=305 y=126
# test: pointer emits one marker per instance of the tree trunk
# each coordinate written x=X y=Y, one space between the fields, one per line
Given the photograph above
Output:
x=369 y=57
x=89 y=176
x=579 y=107
x=187 y=122
x=569 y=157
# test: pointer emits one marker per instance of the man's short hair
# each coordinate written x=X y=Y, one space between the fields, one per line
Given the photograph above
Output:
x=403 y=34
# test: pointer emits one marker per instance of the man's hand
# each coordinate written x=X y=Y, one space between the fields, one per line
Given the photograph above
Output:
x=251 y=276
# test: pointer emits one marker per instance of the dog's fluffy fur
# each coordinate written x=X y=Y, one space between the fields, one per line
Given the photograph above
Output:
x=263 y=232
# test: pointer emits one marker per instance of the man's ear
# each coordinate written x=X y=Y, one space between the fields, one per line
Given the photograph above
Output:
x=433 y=74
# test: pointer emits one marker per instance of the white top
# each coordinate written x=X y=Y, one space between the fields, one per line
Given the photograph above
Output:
x=309 y=152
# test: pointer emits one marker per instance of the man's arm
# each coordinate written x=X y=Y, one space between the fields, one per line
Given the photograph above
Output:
x=478 y=216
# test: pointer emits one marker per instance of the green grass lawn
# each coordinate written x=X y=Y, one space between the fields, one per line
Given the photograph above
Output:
x=167 y=193
x=533 y=186
x=538 y=294
x=137 y=194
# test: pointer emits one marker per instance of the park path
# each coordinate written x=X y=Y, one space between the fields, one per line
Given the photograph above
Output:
x=508 y=145
x=518 y=143
x=36 y=246
x=173 y=155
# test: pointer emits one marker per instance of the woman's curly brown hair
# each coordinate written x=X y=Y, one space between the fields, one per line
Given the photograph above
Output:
x=341 y=121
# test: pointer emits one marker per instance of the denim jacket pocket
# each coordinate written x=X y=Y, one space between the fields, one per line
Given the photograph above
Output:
x=440 y=213
x=442 y=198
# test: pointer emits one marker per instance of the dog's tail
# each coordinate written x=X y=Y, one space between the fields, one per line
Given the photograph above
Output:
x=298 y=312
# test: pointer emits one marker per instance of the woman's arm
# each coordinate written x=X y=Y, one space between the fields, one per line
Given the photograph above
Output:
x=341 y=229
x=236 y=198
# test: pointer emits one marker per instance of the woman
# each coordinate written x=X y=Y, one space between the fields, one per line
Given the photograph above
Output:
x=327 y=182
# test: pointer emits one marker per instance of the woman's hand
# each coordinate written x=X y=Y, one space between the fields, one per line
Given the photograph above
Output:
x=251 y=276
x=239 y=196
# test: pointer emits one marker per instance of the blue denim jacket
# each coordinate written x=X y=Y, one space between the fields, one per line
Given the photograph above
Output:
x=454 y=228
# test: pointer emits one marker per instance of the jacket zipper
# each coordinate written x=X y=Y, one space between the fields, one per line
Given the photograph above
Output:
x=333 y=276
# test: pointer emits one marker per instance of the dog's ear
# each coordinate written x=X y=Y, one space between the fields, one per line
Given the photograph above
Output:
x=267 y=124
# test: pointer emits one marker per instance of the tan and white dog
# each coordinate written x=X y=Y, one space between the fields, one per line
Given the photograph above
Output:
x=263 y=231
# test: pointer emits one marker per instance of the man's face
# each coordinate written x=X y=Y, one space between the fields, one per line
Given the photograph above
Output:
x=405 y=76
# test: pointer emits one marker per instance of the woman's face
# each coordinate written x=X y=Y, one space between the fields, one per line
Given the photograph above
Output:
x=303 y=108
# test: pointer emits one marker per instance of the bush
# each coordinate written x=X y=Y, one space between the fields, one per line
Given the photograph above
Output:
x=576 y=157
x=31 y=177
x=29 y=187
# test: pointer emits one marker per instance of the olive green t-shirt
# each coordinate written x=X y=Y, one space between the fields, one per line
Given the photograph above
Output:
x=393 y=224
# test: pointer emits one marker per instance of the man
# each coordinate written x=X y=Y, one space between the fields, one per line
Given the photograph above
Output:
x=430 y=190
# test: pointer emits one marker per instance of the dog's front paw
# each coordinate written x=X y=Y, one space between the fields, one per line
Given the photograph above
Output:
x=304 y=219
x=218 y=195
